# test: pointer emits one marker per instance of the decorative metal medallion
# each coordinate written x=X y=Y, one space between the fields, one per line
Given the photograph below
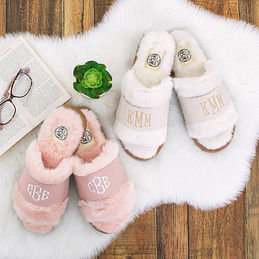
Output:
x=184 y=55
x=87 y=138
x=154 y=60
x=61 y=132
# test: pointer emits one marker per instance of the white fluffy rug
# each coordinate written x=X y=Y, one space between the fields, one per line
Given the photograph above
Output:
x=181 y=173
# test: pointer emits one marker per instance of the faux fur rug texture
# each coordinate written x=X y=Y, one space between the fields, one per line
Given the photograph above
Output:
x=182 y=172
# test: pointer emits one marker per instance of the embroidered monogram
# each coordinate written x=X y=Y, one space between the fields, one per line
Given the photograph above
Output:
x=99 y=184
x=142 y=119
x=37 y=193
x=61 y=133
x=40 y=194
x=213 y=105
x=139 y=119
x=206 y=107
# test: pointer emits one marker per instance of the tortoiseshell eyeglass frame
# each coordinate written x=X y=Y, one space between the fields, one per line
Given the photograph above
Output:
x=12 y=95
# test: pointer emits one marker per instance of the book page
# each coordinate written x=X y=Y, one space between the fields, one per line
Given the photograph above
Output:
x=46 y=92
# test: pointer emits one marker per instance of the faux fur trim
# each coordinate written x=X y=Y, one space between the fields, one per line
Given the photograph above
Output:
x=154 y=138
x=113 y=213
x=40 y=229
x=35 y=218
x=141 y=96
x=137 y=94
x=99 y=140
x=109 y=152
x=189 y=87
x=213 y=127
x=217 y=141
x=40 y=173
x=157 y=42
x=94 y=125
x=184 y=40
x=54 y=151
x=141 y=151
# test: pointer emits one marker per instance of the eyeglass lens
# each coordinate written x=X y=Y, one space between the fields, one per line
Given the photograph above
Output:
x=22 y=85
x=7 y=111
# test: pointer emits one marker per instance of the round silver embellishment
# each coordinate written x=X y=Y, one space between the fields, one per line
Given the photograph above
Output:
x=184 y=55
x=154 y=60
x=61 y=132
x=87 y=138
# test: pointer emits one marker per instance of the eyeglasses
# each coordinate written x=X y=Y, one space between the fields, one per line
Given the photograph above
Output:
x=19 y=87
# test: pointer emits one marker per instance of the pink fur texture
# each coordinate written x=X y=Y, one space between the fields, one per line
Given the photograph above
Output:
x=54 y=151
x=39 y=172
x=37 y=219
x=48 y=161
x=108 y=153
x=94 y=126
x=111 y=214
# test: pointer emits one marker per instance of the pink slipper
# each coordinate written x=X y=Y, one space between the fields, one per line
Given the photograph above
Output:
x=40 y=194
x=107 y=198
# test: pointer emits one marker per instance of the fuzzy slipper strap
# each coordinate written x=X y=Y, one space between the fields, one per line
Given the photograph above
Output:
x=147 y=97
x=142 y=114
x=39 y=194
x=110 y=151
x=206 y=107
x=98 y=179
x=101 y=184
x=206 y=103
x=188 y=87
x=142 y=119
x=42 y=186
x=35 y=167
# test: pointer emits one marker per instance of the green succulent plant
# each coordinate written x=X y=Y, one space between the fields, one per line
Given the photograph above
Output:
x=92 y=79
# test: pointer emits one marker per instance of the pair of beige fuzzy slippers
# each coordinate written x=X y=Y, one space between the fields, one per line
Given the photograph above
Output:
x=70 y=142
x=165 y=61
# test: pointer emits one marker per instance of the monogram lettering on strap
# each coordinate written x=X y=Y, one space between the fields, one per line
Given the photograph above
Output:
x=206 y=107
x=101 y=184
x=142 y=119
x=37 y=192
x=43 y=195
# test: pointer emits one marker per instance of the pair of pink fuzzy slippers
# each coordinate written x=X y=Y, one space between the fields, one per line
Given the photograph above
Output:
x=71 y=141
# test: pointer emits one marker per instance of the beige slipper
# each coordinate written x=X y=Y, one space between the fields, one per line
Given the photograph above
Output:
x=142 y=114
x=208 y=109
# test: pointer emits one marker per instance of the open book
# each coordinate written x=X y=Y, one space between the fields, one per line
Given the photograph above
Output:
x=46 y=92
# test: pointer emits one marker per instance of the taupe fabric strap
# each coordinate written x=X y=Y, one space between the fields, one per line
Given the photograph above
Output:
x=206 y=107
x=142 y=119
x=101 y=184
x=43 y=195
